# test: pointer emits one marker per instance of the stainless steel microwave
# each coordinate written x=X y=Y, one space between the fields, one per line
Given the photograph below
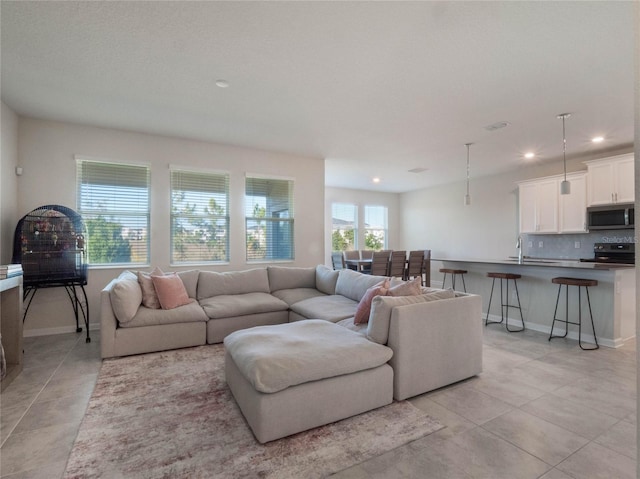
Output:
x=611 y=217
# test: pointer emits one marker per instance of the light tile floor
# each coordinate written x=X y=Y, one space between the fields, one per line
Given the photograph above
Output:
x=539 y=410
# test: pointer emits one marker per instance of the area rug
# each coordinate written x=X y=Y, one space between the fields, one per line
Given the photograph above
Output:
x=171 y=415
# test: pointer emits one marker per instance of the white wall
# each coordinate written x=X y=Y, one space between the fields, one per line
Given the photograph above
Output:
x=8 y=182
x=362 y=198
x=46 y=152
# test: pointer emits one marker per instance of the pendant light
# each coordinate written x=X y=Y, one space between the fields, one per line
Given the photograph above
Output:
x=565 y=186
x=467 y=197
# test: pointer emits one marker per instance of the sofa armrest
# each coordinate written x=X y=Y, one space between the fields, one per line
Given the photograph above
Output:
x=108 y=323
x=435 y=344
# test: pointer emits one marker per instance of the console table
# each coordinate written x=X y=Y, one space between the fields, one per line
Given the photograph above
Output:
x=11 y=327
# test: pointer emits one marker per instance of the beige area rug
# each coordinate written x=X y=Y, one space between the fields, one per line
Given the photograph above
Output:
x=171 y=415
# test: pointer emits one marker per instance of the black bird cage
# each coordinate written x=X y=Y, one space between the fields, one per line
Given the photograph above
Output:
x=49 y=243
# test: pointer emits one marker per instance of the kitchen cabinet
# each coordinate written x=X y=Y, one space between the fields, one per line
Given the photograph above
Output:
x=573 y=207
x=544 y=210
x=539 y=205
x=611 y=180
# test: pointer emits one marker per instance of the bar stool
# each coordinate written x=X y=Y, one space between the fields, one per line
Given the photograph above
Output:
x=504 y=307
x=453 y=273
x=579 y=283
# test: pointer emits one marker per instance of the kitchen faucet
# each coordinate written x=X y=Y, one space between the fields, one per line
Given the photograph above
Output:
x=519 y=247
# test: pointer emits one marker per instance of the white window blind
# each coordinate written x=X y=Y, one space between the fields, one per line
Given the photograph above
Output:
x=269 y=219
x=344 y=234
x=113 y=200
x=199 y=217
x=375 y=227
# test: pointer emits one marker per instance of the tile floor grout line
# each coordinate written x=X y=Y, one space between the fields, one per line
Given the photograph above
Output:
x=38 y=394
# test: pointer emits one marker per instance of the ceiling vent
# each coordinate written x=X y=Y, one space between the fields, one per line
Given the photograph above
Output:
x=417 y=170
x=496 y=126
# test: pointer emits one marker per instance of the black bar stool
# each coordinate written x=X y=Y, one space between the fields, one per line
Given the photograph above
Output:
x=579 y=283
x=453 y=273
x=504 y=307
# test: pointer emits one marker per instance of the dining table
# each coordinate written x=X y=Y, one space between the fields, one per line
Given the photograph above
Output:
x=360 y=264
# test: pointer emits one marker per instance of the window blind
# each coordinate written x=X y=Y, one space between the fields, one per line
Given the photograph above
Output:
x=113 y=200
x=199 y=217
x=269 y=219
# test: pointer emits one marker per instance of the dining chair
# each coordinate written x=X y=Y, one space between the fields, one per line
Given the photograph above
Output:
x=337 y=259
x=397 y=264
x=415 y=267
x=353 y=254
x=426 y=266
x=366 y=254
x=380 y=263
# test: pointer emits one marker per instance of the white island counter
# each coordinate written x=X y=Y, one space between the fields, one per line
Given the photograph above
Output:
x=612 y=301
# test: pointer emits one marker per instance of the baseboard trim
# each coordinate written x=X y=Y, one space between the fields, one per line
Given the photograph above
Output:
x=586 y=338
x=27 y=333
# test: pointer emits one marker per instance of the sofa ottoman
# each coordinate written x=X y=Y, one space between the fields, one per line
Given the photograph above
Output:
x=288 y=378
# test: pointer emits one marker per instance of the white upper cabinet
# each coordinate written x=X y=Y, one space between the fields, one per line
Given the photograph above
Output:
x=573 y=207
x=610 y=180
x=539 y=205
x=544 y=210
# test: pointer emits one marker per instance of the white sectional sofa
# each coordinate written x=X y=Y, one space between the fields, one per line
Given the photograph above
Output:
x=434 y=343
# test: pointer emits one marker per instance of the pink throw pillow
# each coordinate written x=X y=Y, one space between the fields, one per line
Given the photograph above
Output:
x=408 y=288
x=364 y=307
x=171 y=291
x=149 y=295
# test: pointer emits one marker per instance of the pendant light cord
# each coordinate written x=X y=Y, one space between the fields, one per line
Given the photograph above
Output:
x=564 y=148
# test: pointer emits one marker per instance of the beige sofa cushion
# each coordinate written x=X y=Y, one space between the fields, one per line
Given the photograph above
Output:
x=188 y=313
x=273 y=358
x=326 y=279
x=190 y=280
x=149 y=295
x=330 y=308
x=281 y=277
x=211 y=283
x=382 y=306
x=353 y=285
x=291 y=296
x=126 y=298
x=227 y=306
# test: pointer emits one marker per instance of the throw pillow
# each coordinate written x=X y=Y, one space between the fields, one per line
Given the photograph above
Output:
x=126 y=297
x=408 y=288
x=149 y=295
x=171 y=291
x=364 y=306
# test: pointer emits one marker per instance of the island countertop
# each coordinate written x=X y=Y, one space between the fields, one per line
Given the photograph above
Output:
x=542 y=262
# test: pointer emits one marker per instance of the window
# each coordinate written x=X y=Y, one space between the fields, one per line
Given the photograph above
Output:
x=344 y=220
x=375 y=227
x=269 y=219
x=113 y=200
x=199 y=217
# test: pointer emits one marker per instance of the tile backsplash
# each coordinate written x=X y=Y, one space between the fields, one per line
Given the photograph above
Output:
x=563 y=246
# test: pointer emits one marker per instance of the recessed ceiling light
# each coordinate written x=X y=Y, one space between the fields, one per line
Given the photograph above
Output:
x=496 y=126
x=530 y=154
x=376 y=180
x=597 y=139
x=222 y=83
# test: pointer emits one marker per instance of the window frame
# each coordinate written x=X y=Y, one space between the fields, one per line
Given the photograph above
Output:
x=226 y=178
x=269 y=231
x=384 y=229
x=88 y=213
x=355 y=228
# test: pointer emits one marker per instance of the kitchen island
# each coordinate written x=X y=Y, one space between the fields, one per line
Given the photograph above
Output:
x=612 y=301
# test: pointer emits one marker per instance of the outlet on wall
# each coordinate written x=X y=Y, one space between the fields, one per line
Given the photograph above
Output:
x=530 y=244
x=540 y=244
x=576 y=245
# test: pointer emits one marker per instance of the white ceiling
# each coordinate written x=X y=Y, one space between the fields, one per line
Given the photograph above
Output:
x=375 y=88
